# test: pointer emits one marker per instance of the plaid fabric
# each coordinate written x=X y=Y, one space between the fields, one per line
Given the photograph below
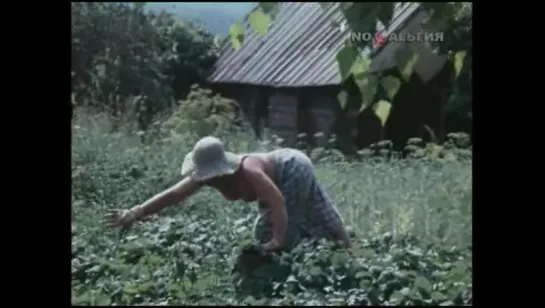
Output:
x=311 y=213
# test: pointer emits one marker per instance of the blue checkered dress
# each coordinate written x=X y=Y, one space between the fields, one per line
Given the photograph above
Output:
x=311 y=213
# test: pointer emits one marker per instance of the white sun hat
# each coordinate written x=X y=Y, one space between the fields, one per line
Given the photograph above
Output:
x=209 y=159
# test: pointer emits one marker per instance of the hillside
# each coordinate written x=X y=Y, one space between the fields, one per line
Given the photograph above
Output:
x=216 y=16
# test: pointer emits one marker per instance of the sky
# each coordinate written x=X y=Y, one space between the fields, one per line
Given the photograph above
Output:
x=235 y=7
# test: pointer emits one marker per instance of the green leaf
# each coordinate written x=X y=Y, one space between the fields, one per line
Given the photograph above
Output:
x=343 y=99
x=367 y=253
x=454 y=102
x=155 y=259
x=386 y=12
x=361 y=65
x=237 y=35
x=363 y=274
x=361 y=16
x=268 y=7
x=432 y=7
x=438 y=296
x=459 y=58
x=367 y=84
x=406 y=59
x=422 y=284
x=382 y=110
x=130 y=289
x=459 y=270
x=365 y=284
x=315 y=271
x=338 y=259
x=440 y=14
x=345 y=60
x=291 y=278
x=457 y=101
x=391 y=85
x=145 y=287
x=396 y=298
x=102 y=300
x=259 y=21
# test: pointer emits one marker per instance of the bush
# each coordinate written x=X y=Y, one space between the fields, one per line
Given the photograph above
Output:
x=412 y=220
x=129 y=61
x=377 y=271
x=202 y=113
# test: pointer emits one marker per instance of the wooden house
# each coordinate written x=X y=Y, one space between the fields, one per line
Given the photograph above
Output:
x=288 y=80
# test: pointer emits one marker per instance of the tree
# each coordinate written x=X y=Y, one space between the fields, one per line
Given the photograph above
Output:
x=127 y=60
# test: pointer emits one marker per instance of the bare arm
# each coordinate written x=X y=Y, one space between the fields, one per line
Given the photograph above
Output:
x=271 y=198
x=172 y=195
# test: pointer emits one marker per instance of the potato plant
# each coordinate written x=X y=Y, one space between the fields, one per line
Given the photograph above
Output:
x=411 y=220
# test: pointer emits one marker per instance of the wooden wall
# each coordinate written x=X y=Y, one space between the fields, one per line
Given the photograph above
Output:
x=304 y=110
x=283 y=115
x=288 y=112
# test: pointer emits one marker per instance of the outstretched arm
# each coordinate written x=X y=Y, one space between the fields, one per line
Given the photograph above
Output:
x=172 y=195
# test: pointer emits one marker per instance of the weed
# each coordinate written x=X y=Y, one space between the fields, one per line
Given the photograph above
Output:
x=411 y=218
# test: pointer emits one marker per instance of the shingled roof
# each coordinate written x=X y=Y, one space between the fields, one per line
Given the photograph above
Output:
x=298 y=50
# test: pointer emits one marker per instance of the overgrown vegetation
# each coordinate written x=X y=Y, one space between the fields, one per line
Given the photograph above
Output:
x=202 y=113
x=412 y=220
x=411 y=217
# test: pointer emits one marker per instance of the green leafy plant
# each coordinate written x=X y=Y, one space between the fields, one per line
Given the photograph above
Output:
x=411 y=219
x=202 y=113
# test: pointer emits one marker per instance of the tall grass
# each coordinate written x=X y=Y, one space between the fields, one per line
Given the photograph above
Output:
x=427 y=199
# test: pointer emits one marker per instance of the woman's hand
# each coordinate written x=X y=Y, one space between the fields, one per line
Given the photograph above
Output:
x=271 y=246
x=120 y=218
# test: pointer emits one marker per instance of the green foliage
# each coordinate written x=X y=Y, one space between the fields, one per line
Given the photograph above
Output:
x=456 y=22
x=376 y=271
x=382 y=110
x=406 y=59
x=342 y=97
x=346 y=57
x=202 y=114
x=391 y=85
x=455 y=147
x=458 y=44
x=184 y=256
x=237 y=35
x=367 y=84
x=126 y=60
x=459 y=58
x=259 y=21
